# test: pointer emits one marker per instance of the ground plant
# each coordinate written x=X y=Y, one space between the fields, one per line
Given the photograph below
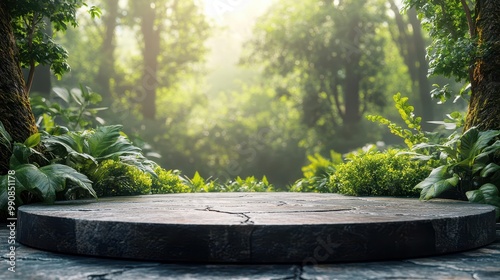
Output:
x=469 y=168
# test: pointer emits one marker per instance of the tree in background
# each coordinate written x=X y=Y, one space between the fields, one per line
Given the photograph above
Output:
x=407 y=34
x=334 y=53
x=466 y=45
x=106 y=61
x=172 y=34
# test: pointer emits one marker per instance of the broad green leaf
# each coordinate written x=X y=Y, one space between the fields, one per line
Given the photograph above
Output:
x=102 y=139
x=77 y=95
x=51 y=179
x=4 y=194
x=490 y=169
x=486 y=194
x=473 y=142
x=143 y=164
x=70 y=141
x=5 y=138
x=467 y=141
x=437 y=182
x=62 y=93
x=495 y=147
x=48 y=122
x=33 y=140
x=21 y=153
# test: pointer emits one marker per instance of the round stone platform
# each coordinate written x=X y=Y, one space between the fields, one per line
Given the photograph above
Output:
x=301 y=228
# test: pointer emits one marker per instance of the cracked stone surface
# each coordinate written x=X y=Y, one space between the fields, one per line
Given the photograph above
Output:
x=478 y=264
x=256 y=228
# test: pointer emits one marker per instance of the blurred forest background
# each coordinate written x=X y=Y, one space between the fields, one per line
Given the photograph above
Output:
x=238 y=88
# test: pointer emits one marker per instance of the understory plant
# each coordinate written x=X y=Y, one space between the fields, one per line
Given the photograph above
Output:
x=375 y=173
x=36 y=178
x=466 y=165
x=411 y=135
x=249 y=184
x=75 y=109
x=317 y=173
x=469 y=168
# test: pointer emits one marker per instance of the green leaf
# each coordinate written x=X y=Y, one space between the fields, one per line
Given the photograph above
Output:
x=437 y=182
x=491 y=168
x=48 y=180
x=4 y=192
x=487 y=194
x=77 y=95
x=473 y=142
x=33 y=140
x=62 y=93
x=5 y=138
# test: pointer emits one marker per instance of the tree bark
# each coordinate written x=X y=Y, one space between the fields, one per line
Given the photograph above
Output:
x=151 y=34
x=411 y=46
x=107 y=62
x=15 y=108
x=422 y=69
x=484 y=106
x=352 y=97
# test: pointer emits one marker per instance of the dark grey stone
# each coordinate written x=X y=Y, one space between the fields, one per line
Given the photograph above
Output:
x=478 y=264
x=257 y=227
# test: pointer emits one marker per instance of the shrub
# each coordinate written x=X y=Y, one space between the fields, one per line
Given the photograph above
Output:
x=470 y=168
x=168 y=182
x=249 y=184
x=113 y=178
x=379 y=174
x=35 y=178
x=317 y=173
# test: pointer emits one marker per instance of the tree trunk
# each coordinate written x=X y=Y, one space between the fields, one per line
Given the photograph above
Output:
x=15 y=108
x=484 y=106
x=107 y=61
x=422 y=69
x=411 y=46
x=149 y=84
x=352 y=102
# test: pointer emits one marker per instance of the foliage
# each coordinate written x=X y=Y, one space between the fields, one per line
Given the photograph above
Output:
x=168 y=182
x=199 y=184
x=470 y=167
x=317 y=173
x=78 y=111
x=34 y=43
x=249 y=184
x=413 y=134
x=453 y=47
x=378 y=174
x=329 y=57
x=114 y=178
x=89 y=147
x=38 y=183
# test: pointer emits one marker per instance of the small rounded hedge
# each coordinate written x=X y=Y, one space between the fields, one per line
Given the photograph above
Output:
x=379 y=174
x=117 y=178
x=168 y=182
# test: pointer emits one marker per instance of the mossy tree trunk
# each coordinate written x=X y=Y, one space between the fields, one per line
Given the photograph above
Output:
x=15 y=108
x=484 y=106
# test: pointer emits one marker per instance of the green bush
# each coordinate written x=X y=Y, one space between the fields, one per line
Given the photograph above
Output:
x=317 y=173
x=379 y=174
x=249 y=184
x=470 y=168
x=168 y=182
x=113 y=178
